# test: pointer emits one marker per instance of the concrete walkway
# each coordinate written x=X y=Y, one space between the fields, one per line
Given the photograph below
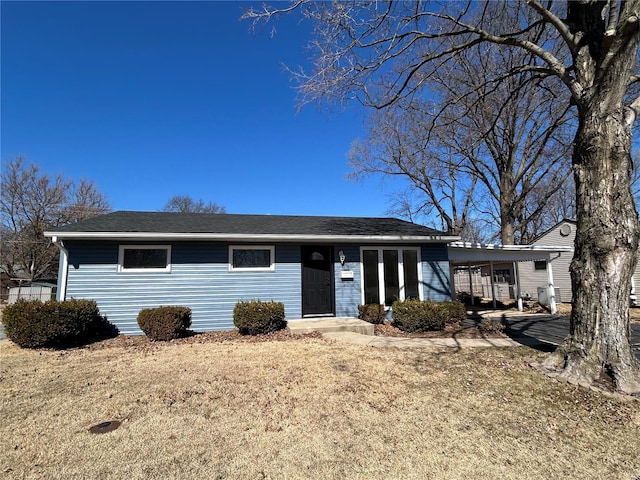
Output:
x=358 y=332
x=543 y=332
x=331 y=325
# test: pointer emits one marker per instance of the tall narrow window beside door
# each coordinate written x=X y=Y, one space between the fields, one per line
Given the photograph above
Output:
x=390 y=274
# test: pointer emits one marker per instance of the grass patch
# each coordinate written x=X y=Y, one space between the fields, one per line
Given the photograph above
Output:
x=304 y=409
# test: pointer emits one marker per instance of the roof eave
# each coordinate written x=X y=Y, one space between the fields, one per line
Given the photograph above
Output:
x=461 y=252
x=164 y=236
x=512 y=248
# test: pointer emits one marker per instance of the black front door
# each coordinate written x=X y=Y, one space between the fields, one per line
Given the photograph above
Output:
x=317 y=280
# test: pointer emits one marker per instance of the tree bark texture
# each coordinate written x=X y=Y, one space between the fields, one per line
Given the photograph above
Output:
x=598 y=347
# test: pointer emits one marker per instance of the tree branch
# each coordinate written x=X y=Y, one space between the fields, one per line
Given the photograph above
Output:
x=557 y=23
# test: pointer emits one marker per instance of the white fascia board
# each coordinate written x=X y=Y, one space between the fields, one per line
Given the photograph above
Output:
x=474 y=252
x=160 y=236
x=510 y=248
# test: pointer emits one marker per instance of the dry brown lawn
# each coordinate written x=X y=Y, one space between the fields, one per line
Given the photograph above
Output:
x=304 y=409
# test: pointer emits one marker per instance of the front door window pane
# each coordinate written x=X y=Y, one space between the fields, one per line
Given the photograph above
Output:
x=410 y=264
x=391 y=280
x=371 y=283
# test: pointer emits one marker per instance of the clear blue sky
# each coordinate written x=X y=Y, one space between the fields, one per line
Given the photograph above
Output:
x=155 y=99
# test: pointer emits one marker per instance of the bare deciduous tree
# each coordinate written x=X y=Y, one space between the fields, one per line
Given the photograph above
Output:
x=396 y=146
x=380 y=53
x=184 y=203
x=31 y=203
x=512 y=137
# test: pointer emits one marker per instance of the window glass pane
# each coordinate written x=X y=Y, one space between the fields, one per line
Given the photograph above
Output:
x=540 y=265
x=502 y=276
x=371 y=284
x=144 y=258
x=391 y=280
x=410 y=264
x=316 y=257
x=251 y=258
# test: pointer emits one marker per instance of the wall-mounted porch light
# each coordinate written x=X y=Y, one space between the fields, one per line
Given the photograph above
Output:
x=342 y=257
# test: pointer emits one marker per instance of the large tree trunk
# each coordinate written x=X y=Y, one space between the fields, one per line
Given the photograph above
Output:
x=598 y=348
x=507 y=208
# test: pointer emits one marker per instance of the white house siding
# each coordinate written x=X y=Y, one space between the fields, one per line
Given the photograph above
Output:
x=199 y=279
x=531 y=279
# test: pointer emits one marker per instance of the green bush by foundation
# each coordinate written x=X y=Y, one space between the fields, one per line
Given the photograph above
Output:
x=256 y=317
x=456 y=311
x=372 y=313
x=421 y=316
x=164 y=323
x=34 y=324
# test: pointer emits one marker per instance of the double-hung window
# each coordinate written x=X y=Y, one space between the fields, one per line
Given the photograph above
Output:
x=390 y=274
x=144 y=258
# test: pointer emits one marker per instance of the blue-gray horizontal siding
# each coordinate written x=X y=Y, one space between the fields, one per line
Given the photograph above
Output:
x=348 y=292
x=436 y=281
x=199 y=279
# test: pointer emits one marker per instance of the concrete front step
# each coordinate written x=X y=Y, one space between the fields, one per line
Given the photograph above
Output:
x=330 y=325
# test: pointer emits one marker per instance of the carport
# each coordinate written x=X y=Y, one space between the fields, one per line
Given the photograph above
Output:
x=476 y=255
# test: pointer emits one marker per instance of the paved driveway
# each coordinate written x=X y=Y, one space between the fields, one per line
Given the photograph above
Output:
x=550 y=330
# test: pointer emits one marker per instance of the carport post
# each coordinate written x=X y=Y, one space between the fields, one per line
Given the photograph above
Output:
x=517 y=279
x=452 y=284
x=551 y=292
x=471 y=284
x=493 y=288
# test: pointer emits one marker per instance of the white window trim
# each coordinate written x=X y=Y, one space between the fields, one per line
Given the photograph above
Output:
x=381 y=279
x=270 y=268
x=122 y=248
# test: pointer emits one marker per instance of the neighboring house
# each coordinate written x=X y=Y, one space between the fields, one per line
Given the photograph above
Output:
x=316 y=266
x=494 y=271
x=534 y=274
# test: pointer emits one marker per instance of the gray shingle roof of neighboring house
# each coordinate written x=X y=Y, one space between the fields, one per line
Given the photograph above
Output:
x=128 y=224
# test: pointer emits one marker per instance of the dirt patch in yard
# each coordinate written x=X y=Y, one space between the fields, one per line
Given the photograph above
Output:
x=142 y=342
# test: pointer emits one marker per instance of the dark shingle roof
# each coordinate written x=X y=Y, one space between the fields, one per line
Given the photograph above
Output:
x=218 y=225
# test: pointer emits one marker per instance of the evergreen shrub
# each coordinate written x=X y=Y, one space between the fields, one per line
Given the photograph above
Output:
x=420 y=316
x=372 y=313
x=257 y=317
x=165 y=322
x=52 y=324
